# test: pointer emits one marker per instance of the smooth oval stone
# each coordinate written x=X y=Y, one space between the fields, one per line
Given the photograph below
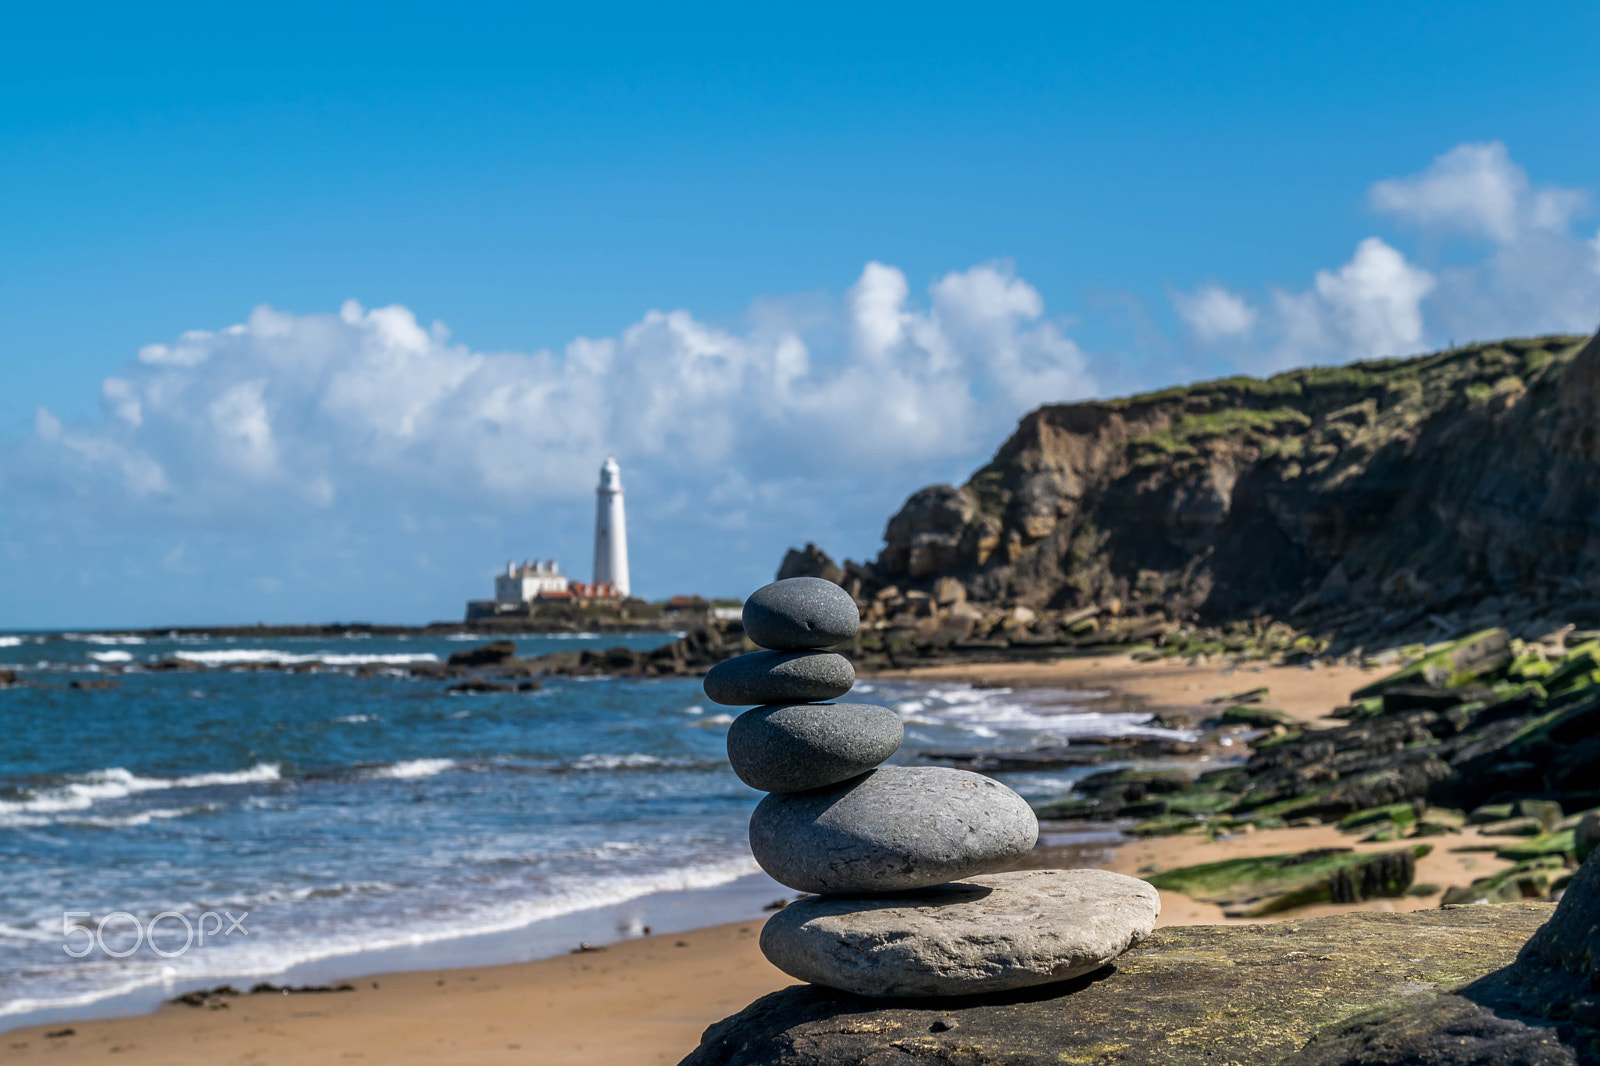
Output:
x=893 y=829
x=793 y=747
x=984 y=934
x=780 y=677
x=800 y=612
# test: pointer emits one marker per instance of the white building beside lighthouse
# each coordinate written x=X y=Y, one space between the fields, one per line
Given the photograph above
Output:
x=610 y=530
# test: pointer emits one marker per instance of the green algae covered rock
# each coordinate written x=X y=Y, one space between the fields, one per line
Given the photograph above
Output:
x=1530 y=879
x=1456 y=664
x=1438 y=821
x=1542 y=1010
x=1269 y=884
x=1401 y=814
x=1556 y=844
x=1258 y=717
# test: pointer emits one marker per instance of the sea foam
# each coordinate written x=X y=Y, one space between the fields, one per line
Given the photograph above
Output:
x=114 y=783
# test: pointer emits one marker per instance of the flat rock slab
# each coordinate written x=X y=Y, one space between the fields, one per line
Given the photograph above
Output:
x=800 y=612
x=983 y=934
x=891 y=830
x=795 y=747
x=762 y=677
x=1243 y=995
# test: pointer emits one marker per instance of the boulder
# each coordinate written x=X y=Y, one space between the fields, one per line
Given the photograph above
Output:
x=1245 y=995
x=982 y=934
x=794 y=747
x=1542 y=1010
x=800 y=612
x=764 y=677
x=894 y=829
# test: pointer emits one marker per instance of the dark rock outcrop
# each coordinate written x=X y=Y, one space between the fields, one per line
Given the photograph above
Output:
x=494 y=653
x=694 y=653
x=1542 y=1010
x=477 y=687
x=1242 y=995
x=812 y=562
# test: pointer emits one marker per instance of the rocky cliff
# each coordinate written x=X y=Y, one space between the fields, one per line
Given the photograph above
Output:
x=1397 y=496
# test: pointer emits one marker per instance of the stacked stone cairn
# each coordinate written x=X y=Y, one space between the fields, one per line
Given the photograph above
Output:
x=900 y=859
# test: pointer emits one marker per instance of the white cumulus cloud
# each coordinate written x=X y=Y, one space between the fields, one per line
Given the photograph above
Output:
x=1213 y=313
x=1369 y=307
x=313 y=423
x=1477 y=189
x=1499 y=256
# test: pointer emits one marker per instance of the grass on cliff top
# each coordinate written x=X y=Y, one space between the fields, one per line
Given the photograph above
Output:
x=1335 y=406
x=1460 y=368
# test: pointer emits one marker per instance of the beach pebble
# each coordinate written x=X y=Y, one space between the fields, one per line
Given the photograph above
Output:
x=985 y=934
x=780 y=677
x=800 y=612
x=895 y=828
x=793 y=747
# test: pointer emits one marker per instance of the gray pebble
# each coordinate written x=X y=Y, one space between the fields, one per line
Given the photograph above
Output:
x=793 y=747
x=800 y=612
x=986 y=934
x=896 y=828
x=780 y=677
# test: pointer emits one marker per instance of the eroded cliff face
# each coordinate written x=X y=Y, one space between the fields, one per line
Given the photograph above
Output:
x=1375 y=494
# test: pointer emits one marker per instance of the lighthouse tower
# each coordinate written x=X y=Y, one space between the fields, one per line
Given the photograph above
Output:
x=610 y=530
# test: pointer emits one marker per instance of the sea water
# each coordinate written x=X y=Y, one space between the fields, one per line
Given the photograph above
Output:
x=348 y=809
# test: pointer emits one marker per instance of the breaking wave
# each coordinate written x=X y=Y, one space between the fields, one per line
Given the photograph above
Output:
x=96 y=786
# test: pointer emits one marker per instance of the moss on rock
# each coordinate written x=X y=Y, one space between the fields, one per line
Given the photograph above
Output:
x=1196 y=996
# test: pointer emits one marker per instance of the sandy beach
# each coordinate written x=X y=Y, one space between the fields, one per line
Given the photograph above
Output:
x=646 y=1001
x=1306 y=693
x=642 y=1001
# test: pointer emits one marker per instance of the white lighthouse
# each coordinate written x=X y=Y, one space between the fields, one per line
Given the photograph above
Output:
x=610 y=530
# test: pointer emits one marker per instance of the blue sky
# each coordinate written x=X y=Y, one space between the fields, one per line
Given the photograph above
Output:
x=817 y=257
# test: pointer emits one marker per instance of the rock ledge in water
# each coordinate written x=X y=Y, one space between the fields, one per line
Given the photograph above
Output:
x=984 y=934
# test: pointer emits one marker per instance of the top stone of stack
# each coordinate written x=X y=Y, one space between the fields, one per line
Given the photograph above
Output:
x=800 y=613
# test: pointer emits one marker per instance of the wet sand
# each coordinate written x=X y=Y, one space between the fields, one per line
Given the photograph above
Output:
x=641 y=1002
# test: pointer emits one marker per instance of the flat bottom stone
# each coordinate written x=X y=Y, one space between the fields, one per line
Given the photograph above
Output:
x=1248 y=995
x=981 y=934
